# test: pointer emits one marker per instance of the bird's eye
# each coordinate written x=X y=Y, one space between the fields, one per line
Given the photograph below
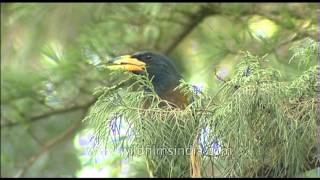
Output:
x=148 y=57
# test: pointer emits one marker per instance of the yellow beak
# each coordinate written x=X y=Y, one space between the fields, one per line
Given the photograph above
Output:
x=126 y=63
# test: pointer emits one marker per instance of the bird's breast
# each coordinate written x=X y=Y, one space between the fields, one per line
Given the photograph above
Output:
x=176 y=97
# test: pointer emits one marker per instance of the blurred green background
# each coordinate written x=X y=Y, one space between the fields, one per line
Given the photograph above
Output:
x=49 y=53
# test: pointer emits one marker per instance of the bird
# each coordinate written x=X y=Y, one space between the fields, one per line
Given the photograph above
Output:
x=161 y=70
x=165 y=79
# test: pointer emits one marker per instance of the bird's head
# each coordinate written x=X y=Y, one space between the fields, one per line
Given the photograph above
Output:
x=160 y=68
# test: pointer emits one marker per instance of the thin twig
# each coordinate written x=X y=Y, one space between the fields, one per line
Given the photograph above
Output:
x=35 y=138
x=49 y=146
x=218 y=77
x=51 y=113
x=196 y=19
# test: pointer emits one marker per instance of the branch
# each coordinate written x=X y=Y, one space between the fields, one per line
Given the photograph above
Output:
x=51 y=113
x=64 y=110
x=219 y=77
x=49 y=146
x=195 y=19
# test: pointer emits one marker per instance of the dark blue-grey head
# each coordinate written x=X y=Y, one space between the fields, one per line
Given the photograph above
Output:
x=160 y=68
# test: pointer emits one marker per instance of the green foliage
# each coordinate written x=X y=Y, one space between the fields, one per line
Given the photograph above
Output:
x=49 y=72
x=312 y=173
x=267 y=127
x=153 y=129
x=270 y=124
x=305 y=51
